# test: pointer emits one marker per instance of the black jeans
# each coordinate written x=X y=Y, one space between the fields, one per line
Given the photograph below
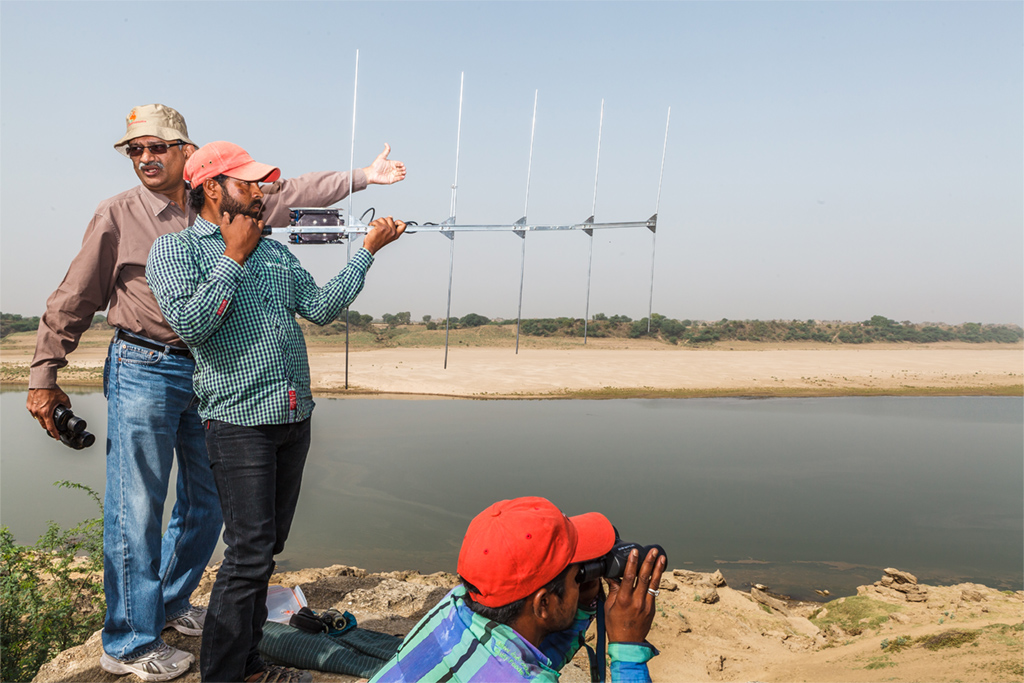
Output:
x=258 y=471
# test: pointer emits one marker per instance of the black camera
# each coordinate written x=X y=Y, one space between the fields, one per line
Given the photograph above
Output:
x=613 y=565
x=72 y=429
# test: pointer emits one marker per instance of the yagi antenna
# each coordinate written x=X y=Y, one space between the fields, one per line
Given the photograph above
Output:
x=522 y=221
x=316 y=225
x=590 y=232
x=351 y=181
x=451 y=221
x=654 y=228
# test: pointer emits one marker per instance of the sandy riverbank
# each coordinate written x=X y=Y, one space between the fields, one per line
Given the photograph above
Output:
x=708 y=630
x=620 y=368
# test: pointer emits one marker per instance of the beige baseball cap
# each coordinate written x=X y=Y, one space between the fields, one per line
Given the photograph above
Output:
x=153 y=119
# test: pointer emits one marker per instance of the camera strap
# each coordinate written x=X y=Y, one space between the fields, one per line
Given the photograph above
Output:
x=597 y=658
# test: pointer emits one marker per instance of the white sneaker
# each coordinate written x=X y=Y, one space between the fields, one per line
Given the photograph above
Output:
x=162 y=664
x=190 y=623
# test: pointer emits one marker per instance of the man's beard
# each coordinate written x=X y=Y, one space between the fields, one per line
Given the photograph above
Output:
x=234 y=208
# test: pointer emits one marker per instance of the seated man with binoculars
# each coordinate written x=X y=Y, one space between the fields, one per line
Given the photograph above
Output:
x=530 y=588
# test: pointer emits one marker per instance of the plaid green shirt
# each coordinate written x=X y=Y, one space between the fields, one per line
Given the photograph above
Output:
x=239 y=321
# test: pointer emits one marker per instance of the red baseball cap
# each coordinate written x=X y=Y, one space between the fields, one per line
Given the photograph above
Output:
x=219 y=157
x=515 y=547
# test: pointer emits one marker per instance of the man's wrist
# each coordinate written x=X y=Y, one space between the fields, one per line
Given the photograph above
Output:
x=638 y=652
x=236 y=256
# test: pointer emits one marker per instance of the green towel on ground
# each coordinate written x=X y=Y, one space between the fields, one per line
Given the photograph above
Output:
x=356 y=652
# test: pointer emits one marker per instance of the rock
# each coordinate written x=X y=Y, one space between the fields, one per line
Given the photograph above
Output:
x=880 y=590
x=684 y=576
x=903 y=582
x=915 y=593
x=668 y=583
x=707 y=594
x=683 y=626
x=900 y=577
x=972 y=595
x=395 y=597
x=765 y=599
x=900 y=618
x=715 y=664
x=441 y=579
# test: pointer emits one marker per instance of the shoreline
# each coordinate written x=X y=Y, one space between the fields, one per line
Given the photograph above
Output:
x=612 y=369
x=609 y=394
x=707 y=628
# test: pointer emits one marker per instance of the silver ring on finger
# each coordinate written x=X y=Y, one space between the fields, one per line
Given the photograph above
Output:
x=654 y=592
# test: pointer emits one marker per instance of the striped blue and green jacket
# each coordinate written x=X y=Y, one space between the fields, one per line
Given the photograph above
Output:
x=453 y=643
x=239 y=321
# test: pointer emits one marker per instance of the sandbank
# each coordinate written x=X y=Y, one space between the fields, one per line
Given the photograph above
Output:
x=617 y=369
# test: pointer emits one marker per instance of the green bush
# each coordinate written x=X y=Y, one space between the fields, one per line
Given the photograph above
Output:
x=51 y=594
x=12 y=322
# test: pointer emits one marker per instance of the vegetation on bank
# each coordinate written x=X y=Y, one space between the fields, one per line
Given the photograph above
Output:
x=51 y=594
x=388 y=330
x=671 y=331
x=12 y=322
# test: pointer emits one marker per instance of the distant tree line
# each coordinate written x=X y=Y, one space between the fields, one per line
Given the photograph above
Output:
x=12 y=322
x=877 y=329
x=669 y=330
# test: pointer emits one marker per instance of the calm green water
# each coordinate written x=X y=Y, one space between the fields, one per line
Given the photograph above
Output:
x=795 y=493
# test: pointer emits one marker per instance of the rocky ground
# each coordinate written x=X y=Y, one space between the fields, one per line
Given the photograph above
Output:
x=706 y=630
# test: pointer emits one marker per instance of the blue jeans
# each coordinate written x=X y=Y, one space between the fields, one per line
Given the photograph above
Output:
x=151 y=414
x=258 y=472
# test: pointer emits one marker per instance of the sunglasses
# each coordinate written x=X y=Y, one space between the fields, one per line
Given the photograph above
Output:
x=159 y=148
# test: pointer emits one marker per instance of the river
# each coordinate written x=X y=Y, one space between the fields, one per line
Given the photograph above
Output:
x=799 y=494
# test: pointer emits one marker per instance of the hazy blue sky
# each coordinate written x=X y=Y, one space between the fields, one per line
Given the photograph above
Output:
x=826 y=159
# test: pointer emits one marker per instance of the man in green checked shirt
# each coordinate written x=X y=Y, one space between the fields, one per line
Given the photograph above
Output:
x=232 y=297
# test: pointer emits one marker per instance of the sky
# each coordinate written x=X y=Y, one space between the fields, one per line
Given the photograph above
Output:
x=825 y=160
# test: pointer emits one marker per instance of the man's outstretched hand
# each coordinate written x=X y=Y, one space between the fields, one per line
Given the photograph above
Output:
x=385 y=230
x=629 y=609
x=383 y=171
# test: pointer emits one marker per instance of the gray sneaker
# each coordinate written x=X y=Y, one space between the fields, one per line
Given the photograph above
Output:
x=162 y=664
x=190 y=623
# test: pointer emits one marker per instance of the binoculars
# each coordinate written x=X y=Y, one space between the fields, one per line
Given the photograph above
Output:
x=72 y=429
x=613 y=565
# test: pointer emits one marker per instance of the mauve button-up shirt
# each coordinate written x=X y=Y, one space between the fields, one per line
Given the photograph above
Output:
x=110 y=269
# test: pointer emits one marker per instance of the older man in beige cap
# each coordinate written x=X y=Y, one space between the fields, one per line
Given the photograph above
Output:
x=151 y=408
